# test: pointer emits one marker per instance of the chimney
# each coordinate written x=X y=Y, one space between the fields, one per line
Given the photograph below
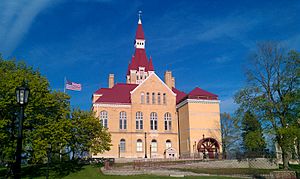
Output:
x=168 y=79
x=111 y=80
x=173 y=82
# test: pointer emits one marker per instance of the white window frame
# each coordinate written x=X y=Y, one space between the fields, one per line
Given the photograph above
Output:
x=104 y=118
x=139 y=145
x=139 y=120
x=168 y=121
x=168 y=144
x=123 y=120
x=122 y=145
x=154 y=146
x=153 y=121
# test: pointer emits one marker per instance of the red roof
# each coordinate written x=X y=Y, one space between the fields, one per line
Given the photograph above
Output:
x=139 y=59
x=139 y=32
x=179 y=95
x=101 y=90
x=119 y=93
x=199 y=93
x=150 y=65
x=196 y=93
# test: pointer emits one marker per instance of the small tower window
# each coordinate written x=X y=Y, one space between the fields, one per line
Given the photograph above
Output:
x=142 y=98
x=165 y=98
x=153 y=98
x=147 y=98
x=158 y=98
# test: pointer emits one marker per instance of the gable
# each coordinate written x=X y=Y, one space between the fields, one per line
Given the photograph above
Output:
x=153 y=84
x=153 y=79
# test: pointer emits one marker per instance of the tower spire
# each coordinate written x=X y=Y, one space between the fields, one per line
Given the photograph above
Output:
x=140 y=15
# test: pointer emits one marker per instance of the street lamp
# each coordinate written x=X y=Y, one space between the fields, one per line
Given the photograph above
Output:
x=145 y=144
x=22 y=94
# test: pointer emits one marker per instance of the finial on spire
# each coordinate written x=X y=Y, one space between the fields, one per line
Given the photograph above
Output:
x=140 y=15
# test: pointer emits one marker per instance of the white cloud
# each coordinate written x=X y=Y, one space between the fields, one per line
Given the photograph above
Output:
x=16 y=18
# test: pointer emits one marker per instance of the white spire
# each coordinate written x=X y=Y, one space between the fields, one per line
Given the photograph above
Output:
x=140 y=14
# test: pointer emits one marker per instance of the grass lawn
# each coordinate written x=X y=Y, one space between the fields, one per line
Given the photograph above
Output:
x=70 y=171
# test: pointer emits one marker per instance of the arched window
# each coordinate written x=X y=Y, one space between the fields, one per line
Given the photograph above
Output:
x=158 y=98
x=139 y=145
x=164 y=98
x=142 y=98
x=122 y=145
x=153 y=121
x=123 y=120
x=147 y=98
x=153 y=98
x=168 y=144
x=103 y=118
x=153 y=145
x=168 y=121
x=139 y=120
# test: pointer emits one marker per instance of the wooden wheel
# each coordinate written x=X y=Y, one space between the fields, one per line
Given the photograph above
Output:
x=209 y=147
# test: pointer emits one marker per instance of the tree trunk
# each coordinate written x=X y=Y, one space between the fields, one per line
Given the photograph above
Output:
x=285 y=159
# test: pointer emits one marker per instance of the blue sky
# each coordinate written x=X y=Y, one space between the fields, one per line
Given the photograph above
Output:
x=204 y=43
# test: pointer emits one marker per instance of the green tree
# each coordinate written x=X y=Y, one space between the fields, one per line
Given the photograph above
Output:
x=87 y=134
x=49 y=125
x=253 y=139
x=271 y=93
x=45 y=113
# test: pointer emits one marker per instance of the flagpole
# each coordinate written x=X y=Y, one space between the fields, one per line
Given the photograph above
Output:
x=60 y=150
x=65 y=79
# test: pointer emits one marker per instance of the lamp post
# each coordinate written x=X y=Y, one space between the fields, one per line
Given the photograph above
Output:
x=119 y=151
x=150 y=150
x=22 y=94
x=145 y=144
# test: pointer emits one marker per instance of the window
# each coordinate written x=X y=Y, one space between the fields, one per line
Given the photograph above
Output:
x=168 y=144
x=142 y=98
x=103 y=118
x=153 y=145
x=165 y=98
x=139 y=145
x=153 y=98
x=153 y=121
x=168 y=121
x=123 y=120
x=147 y=98
x=158 y=98
x=122 y=145
x=139 y=120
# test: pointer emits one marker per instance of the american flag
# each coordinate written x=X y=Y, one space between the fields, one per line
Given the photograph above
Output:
x=73 y=86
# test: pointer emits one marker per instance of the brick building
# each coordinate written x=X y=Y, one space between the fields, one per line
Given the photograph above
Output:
x=149 y=118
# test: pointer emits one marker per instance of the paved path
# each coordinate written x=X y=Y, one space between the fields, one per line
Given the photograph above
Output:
x=155 y=171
